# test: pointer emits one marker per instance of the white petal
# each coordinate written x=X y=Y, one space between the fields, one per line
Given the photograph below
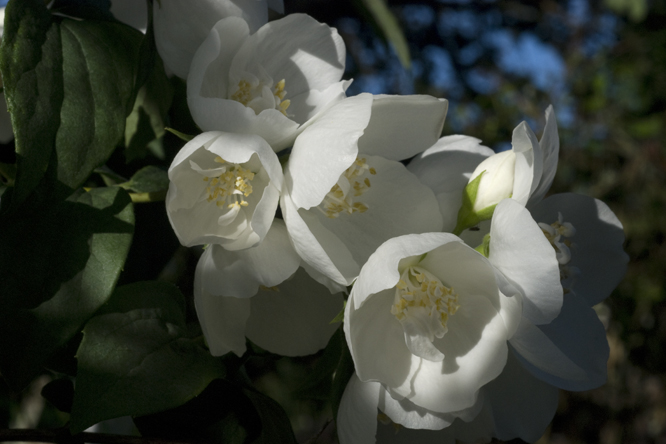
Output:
x=402 y=126
x=381 y=270
x=357 y=416
x=377 y=342
x=519 y=249
x=209 y=75
x=309 y=105
x=522 y=406
x=296 y=319
x=410 y=415
x=319 y=248
x=446 y=167
x=307 y=54
x=182 y=26
x=192 y=146
x=475 y=351
x=326 y=149
x=571 y=352
x=597 y=245
x=550 y=148
x=232 y=116
x=464 y=270
x=222 y=318
x=422 y=347
x=528 y=163
x=240 y=273
x=398 y=203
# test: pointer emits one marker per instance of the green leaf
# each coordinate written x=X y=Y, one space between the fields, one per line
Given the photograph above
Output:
x=140 y=360
x=391 y=29
x=319 y=382
x=222 y=414
x=275 y=425
x=343 y=373
x=182 y=136
x=31 y=66
x=59 y=263
x=62 y=93
x=98 y=96
x=60 y=393
x=150 y=179
x=148 y=119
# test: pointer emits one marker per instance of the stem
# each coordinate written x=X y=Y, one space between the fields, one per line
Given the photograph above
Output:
x=63 y=436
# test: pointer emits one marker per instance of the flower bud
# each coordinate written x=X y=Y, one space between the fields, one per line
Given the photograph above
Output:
x=497 y=175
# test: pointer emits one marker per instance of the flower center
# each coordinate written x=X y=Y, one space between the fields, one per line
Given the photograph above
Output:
x=351 y=184
x=423 y=303
x=260 y=93
x=558 y=234
x=231 y=187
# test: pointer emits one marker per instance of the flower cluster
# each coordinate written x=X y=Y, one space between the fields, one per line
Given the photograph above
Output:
x=469 y=293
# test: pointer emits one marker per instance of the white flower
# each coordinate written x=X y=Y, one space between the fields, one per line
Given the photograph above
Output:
x=268 y=83
x=182 y=25
x=289 y=317
x=523 y=173
x=428 y=318
x=345 y=191
x=224 y=189
x=571 y=351
x=514 y=405
x=588 y=239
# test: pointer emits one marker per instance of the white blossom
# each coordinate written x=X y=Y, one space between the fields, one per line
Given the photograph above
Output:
x=224 y=189
x=271 y=83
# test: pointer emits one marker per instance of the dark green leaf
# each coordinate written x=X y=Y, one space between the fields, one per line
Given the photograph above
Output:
x=148 y=119
x=221 y=414
x=149 y=180
x=275 y=425
x=139 y=361
x=149 y=295
x=59 y=263
x=60 y=393
x=318 y=383
x=343 y=373
x=31 y=65
x=62 y=92
x=98 y=94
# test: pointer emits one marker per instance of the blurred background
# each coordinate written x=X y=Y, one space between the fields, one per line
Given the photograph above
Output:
x=602 y=64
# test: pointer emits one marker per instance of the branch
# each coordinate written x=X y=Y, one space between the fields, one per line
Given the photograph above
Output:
x=62 y=436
